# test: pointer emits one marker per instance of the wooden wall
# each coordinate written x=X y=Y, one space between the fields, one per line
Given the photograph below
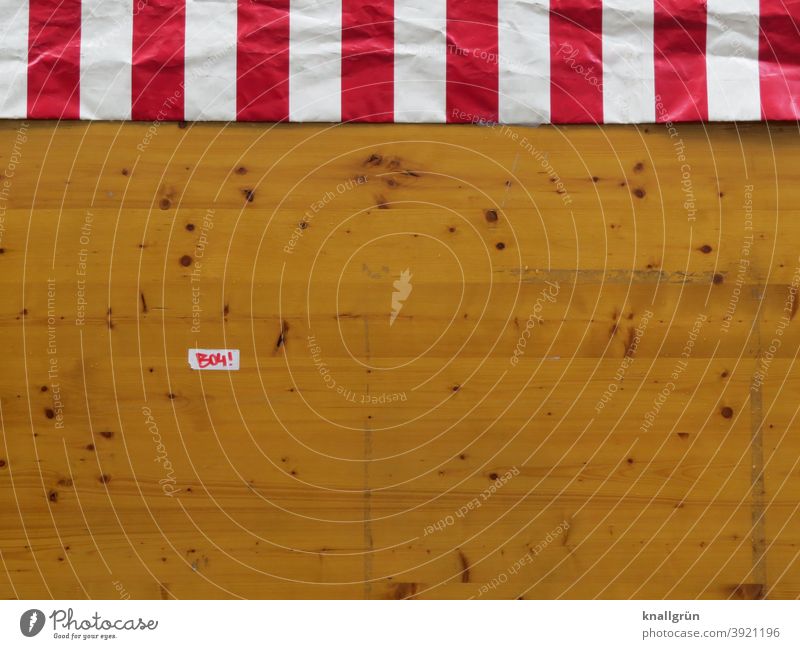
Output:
x=591 y=390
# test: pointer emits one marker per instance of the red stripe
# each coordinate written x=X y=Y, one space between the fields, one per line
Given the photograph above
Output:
x=368 y=60
x=779 y=59
x=54 y=59
x=472 y=56
x=159 y=29
x=680 y=60
x=576 y=61
x=262 y=61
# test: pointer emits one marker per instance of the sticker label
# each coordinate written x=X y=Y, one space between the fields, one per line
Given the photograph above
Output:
x=214 y=359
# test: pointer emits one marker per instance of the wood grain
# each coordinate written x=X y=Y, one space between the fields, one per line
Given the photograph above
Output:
x=589 y=391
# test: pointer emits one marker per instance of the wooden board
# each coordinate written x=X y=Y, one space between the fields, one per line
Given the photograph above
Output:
x=589 y=390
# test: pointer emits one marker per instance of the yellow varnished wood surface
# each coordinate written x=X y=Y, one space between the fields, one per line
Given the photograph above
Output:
x=350 y=457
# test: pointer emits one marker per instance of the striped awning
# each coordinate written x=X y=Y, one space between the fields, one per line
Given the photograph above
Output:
x=509 y=61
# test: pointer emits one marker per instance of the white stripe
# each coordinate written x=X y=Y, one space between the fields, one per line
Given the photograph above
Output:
x=628 y=65
x=315 y=60
x=734 y=89
x=420 y=61
x=14 y=58
x=106 y=48
x=524 y=61
x=210 y=60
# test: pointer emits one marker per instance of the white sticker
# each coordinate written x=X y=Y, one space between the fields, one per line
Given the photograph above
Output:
x=226 y=360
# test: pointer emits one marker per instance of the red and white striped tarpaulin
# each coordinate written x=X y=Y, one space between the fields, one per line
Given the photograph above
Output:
x=511 y=61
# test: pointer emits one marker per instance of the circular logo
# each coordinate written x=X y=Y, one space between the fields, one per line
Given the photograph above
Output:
x=31 y=622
